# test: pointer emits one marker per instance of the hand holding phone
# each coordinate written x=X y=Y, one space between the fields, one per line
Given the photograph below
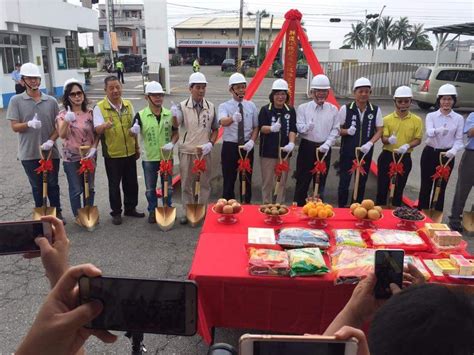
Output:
x=19 y=237
x=388 y=270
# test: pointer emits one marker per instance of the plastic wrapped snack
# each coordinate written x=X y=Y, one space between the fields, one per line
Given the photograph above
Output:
x=268 y=262
x=303 y=238
x=415 y=261
x=396 y=237
x=351 y=263
x=306 y=262
x=350 y=237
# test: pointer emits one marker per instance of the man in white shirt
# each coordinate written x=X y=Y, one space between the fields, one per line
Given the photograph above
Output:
x=318 y=126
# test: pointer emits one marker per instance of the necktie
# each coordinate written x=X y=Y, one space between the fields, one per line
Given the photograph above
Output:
x=240 y=133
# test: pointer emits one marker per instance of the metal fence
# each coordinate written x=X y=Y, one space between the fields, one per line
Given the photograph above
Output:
x=385 y=77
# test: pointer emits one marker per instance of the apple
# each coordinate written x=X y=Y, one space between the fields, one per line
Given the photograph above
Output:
x=228 y=209
x=236 y=207
x=219 y=207
x=231 y=201
x=222 y=200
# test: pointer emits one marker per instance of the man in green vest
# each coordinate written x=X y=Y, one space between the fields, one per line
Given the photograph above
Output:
x=196 y=65
x=120 y=69
x=158 y=137
x=113 y=120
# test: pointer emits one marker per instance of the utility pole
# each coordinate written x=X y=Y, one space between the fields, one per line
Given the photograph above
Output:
x=379 y=19
x=109 y=14
x=239 y=50
x=256 y=50
x=365 y=29
x=270 y=34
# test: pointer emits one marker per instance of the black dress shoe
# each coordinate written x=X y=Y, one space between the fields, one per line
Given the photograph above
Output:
x=134 y=213
x=183 y=220
x=117 y=219
x=151 y=217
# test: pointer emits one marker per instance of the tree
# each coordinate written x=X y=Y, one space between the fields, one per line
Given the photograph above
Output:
x=401 y=32
x=370 y=30
x=355 y=38
x=418 y=38
x=385 y=33
x=263 y=13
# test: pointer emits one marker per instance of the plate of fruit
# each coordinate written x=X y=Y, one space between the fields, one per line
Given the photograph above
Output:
x=318 y=213
x=366 y=213
x=408 y=217
x=227 y=210
x=273 y=213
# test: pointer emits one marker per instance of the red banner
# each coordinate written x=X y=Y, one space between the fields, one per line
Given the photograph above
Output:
x=166 y=167
x=291 y=58
x=442 y=172
x=199 y=166
x=86 y=165
x=358 y=166
x=281 y=167
x=319 y=168
x=45 y=165
x=396 y=169
x=244 y=165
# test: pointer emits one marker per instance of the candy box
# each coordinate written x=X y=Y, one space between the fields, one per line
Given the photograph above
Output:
x=446 y=266
x=431 y=228
x=465 y=267
x=447 y=238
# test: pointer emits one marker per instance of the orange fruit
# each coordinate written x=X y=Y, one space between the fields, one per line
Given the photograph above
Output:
x=323 y=214
x=306 y=208
x=313 y=212
x=330 y=214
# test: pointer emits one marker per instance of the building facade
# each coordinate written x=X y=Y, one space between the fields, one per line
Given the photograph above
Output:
x=129 y=21
x=42 y=32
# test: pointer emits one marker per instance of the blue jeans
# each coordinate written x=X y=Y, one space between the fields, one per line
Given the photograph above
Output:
x=36 y=182
x=76 y=186
x=151 y=171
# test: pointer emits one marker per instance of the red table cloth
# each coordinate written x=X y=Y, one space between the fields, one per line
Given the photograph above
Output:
x=229 y=297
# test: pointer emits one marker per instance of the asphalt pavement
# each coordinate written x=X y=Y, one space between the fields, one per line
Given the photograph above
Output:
x=136 y=248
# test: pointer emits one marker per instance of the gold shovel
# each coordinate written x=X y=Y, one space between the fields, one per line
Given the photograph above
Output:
x=468 y=220
x=437 y=216
x=44 y=210
x=166 y=215
x=318 y=175
x=195 y=212
x=244 y=174
x=88 y=215
x=278 y=180
x=393 y=181
x=357 y=177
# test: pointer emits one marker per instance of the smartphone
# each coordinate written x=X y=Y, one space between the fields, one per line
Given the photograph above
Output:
x=254 y=344
x=19 y=237
x=142 y=305
x=388 y=269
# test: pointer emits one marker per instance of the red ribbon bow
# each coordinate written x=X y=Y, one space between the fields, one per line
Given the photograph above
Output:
x=442 y=172
x=199 y=166
x=45 y=165
x=244 y=165
x=293 y=14
x=281 y=167
x=319 y=168
x=166 y=167
x=86 y=165
x=396 y=169
x=358 y=166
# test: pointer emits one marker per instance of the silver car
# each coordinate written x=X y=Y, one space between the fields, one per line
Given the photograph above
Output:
x=427 y=80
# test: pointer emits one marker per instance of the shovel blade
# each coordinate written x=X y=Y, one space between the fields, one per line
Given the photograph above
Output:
x=39 y=212
x=165 y=217
x=436 y=216
x=468 y=221
x=195 y=213
x=89 y=217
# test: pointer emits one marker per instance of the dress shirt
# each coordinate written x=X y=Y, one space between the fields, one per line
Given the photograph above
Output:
x=99 y=119
x=453 y=121
x=324 y=117
x=342 y=116
x=16 y=76
x=250 y=119
x=468 y=125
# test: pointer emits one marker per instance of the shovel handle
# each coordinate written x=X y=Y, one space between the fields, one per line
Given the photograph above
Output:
x=165 y=188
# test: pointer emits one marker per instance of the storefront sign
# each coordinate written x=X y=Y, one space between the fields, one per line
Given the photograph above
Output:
x=234 y=43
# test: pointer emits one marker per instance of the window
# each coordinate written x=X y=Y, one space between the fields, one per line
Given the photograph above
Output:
x=422 y=74
x=72 y=51
x=143 y=34
x=447 y=75
x=465 y=77
x=13 y=49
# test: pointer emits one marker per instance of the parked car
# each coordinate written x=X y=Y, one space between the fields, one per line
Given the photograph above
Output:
x=301 y=71
x=228 y=65
x=427 y=80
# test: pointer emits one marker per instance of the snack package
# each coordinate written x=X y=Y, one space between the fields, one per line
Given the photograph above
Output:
x=350 y=237
x=351 y=263
x=394 y=237
x=268 y=262
x=418 y=264
x=303 y=238
x=306 y=262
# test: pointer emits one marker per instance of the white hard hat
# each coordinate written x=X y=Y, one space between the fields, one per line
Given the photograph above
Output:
x=237 y=78
x=153 y=87
x=31 y=70
x=71 y=81
x=362 y=82
x=197 y=78
x=320 y=81
x=280 y=84
x=447 y=89
x=403 y=91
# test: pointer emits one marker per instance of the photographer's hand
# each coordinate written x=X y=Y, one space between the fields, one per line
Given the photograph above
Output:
x=59 y=325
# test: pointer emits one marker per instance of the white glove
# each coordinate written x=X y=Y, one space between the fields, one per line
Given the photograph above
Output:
x=402 y=149
x=175 y=110
x=324 y=148
x=310 y=126
x=366 y=147
x=168 y=146
x=91 y=154
x=351 y=130
x=441 y=130
x=206 y=148
x=35 y=123
x=289 y=147
x=237 y=117
x=70 y=116
x=275 y=127
x=392 y=139
x=249 y=145
x=451 y=153
x=135 y=128
x=302 y=127
x=47 y=145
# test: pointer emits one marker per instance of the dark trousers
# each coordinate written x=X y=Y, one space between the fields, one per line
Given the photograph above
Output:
x=151 y=173
x=429 y=161
x=36 y=182
x=383 y=179
x=122 y=170
x=463 y=186
x=229 y=160
x=19 y=88
x=304 y=165
x=120 y=75
x=345 y=164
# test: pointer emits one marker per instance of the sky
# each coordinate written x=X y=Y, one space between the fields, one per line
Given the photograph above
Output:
x=316 y=14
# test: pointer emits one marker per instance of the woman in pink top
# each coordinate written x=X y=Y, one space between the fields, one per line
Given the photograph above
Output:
x=76 y=128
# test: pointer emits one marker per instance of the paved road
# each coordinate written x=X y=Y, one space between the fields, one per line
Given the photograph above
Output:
x=134 y=249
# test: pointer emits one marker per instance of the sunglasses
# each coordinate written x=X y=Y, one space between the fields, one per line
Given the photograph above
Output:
x=76 y=94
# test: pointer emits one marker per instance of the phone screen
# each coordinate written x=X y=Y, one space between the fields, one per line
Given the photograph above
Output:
x=19 y=237
x=300 y=348
x=148 y=306
x=388 y=269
